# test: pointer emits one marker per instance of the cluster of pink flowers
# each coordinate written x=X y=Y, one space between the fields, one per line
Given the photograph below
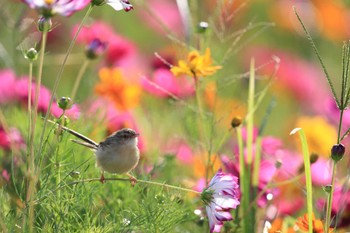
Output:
x=15 y=89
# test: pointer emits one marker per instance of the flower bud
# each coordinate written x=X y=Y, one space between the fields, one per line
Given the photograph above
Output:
x=313 y=158
x=44 y=24
x=65 y=103
x=202 y=27
x=236 y=121
x=95 y=49
x=278 y=164
x=31 y=54
x=337 y=152
x=327 y=188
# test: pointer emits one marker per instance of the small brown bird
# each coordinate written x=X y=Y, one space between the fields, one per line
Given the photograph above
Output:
x=118 y=153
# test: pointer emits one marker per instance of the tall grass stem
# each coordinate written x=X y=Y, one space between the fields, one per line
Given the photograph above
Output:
x=78 y=79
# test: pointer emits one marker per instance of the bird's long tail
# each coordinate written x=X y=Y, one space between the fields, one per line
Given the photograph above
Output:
x=86 y=141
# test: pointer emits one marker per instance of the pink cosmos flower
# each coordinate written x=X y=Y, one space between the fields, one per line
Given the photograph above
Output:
x=49 y=8
x=7 y=84
x=220 y=197
x=301 y=79
x=165 y=11
x=164 y=84
x=118 y=48
x=21 y=91
x=321 y=172
x=11 y=138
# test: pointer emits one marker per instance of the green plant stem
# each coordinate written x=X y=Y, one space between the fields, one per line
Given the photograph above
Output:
x=250 y=116
x=31 y=161
x=330 y=200
x=119 y=179
x=306 y=156
x=334 y=167
x=257 y=160
x=30 y=98
x=318 y=56
x=78 y=79
x=59 y=75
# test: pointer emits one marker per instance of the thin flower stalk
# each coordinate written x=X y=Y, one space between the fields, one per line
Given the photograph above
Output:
x=31 y=161
x=79 y=78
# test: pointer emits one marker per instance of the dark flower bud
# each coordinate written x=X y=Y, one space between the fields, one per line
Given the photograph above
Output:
x=236 y=121
x=202 y=27
x=278 y=164
x=327 y=188
x=31 y=54
x=337 y=152
x=313 y=158
x=65 y=103
x=95 y=49
x=44 y=24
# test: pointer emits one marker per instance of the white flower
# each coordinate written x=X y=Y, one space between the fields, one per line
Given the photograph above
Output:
x=220 y=197
x=120 y=5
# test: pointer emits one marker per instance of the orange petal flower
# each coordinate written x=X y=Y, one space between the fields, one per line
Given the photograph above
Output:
x=196 y=65
x=317 y=225
x=114 y=87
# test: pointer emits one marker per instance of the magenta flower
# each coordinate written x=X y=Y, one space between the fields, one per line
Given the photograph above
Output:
x=11 y=138
x=120 y=5
x=164 y=84
x=220 y=197
x=49 y=8
x=118 y=49
x=7 y=80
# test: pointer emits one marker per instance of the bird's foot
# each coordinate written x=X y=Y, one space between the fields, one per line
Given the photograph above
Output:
x=102 y=179
x=133 y=180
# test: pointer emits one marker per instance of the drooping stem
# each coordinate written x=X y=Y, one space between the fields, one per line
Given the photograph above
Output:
x=78 y=79
x=59 y=75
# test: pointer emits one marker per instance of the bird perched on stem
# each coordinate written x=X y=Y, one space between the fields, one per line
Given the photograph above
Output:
x=118 y=153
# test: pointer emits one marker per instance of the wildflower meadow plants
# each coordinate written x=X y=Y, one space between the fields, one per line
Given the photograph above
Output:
x=234 y=133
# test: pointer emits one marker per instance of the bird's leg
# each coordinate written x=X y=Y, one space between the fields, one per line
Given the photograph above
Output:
x=102 y=178
x=133 y=180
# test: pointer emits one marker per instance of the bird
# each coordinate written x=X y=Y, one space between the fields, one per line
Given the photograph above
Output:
x=118 y=153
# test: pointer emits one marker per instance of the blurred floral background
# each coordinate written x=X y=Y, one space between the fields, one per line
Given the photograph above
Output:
x=177 y=72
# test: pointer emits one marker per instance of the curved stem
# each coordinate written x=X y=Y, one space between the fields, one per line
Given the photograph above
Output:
x=78 y=79
x=59 y=75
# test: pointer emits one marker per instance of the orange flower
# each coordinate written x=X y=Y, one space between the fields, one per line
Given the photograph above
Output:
x=196 y=65
x=113 y=86
x=317 y=225
x=277 y=227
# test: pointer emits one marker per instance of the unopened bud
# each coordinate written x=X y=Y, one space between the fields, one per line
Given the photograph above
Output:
x=65 y=103
x=313 y=158
x=31 y=54
x=327 y=188
x=202 y=27
x=44 y=24
x=95 y=48
x=337 y=152
x=236 y=121
x=278 y=164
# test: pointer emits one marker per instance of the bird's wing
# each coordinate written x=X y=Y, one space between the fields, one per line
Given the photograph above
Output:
x=87 y=140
